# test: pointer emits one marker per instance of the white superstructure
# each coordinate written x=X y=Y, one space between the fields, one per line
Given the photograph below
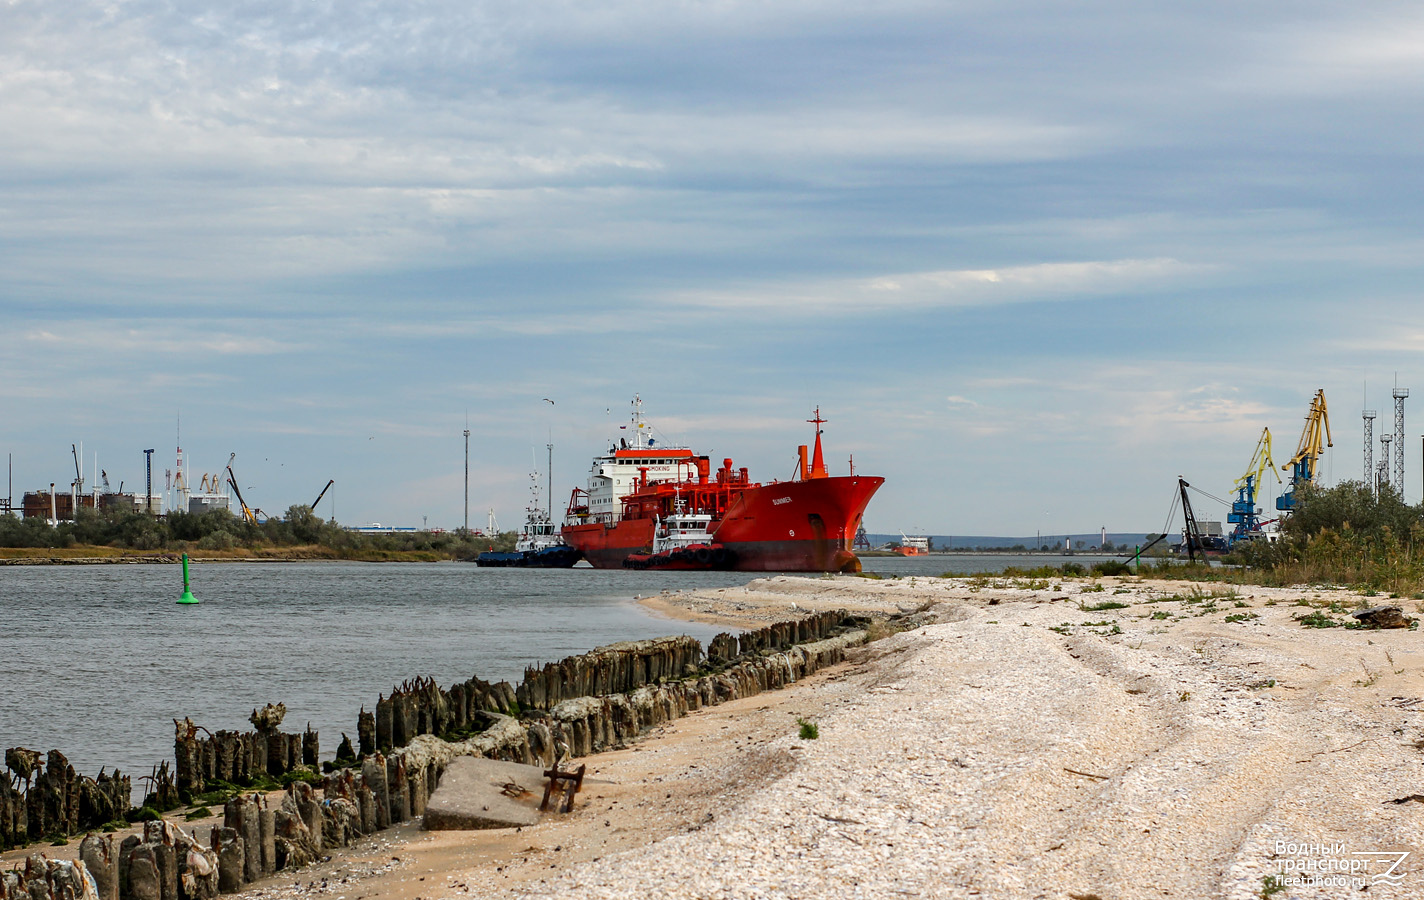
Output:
x=918 y=543
x=538 y=532
x=628 y=463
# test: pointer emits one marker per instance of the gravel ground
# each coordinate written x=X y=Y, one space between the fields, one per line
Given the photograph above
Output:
x=1028 y=746
x=1189 y=743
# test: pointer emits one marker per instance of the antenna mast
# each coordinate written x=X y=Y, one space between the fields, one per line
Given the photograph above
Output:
x=1385 y=439
x=1399 y=395
x=148 y=481
x=1369 y=417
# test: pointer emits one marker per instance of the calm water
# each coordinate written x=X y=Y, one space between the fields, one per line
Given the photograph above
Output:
x=97 y=661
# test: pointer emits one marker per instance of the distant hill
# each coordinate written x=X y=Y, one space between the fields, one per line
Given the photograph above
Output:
x=1089 y=541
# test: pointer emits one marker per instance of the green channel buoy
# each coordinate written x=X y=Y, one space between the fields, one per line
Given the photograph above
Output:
x=187 y=594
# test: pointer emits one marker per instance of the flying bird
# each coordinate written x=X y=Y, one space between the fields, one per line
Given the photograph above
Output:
x=548 y=401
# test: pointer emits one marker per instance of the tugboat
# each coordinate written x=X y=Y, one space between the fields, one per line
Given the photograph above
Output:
x=638 y=487
x=539 y=545
x=683 y=541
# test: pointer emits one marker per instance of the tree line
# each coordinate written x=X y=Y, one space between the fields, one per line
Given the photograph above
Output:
x=1348 y=534
x=220 y=530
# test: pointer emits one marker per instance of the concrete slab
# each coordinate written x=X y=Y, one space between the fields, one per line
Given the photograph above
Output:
x=472 y=795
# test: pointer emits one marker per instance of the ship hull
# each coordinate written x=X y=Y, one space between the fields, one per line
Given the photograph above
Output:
x=794 y=526
x=545 y=558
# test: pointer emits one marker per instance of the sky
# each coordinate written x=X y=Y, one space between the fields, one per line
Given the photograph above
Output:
x=1031 y=260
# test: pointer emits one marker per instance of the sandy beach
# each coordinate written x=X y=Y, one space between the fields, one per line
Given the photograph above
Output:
x=1069 y=738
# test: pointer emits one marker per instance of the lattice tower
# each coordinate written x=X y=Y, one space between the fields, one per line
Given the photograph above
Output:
x=1385 y=440
x=1399 y=395
x=1369 y=469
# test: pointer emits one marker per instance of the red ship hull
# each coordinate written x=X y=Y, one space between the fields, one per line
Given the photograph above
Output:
x=791 y=526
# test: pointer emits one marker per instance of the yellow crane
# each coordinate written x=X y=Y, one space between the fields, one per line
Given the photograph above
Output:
x=1308 y=451
x=248 y=512
x=1244 y=514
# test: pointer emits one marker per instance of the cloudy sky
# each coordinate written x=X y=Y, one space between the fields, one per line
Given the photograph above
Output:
x=1032 y=260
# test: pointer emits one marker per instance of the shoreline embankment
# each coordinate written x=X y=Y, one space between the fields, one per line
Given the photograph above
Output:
x=1005 y=737
x=581 y=705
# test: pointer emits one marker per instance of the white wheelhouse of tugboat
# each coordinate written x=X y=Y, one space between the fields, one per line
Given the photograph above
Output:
x=682 y=530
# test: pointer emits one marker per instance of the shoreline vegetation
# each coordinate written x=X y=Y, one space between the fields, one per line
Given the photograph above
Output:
x=1347 y=535
x=114 y=536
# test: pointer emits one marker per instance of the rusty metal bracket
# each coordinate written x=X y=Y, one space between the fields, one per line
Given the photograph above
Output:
x=562 y=783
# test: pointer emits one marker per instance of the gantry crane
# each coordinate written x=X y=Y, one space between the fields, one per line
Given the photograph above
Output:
x=1308 y=452
x=1244 y=514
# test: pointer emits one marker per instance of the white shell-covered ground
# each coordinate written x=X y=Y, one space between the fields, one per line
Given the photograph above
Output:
x=1042 y=739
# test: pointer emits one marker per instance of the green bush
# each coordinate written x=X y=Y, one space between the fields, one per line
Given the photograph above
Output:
x=220 y=530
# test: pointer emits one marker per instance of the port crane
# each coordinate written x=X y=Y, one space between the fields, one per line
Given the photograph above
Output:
x=1191 y=532
x=248 y=512
x=78 y=484
x=1244 y=514
x=1308 y=451
x=323 y=493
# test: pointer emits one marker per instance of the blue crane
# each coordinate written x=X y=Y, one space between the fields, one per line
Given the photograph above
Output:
x=1244 y=513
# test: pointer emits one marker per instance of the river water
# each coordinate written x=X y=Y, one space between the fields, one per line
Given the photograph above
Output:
x=97 y=661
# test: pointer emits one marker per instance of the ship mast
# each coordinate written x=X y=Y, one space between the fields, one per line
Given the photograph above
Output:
x=640 y=441
x=818 y=462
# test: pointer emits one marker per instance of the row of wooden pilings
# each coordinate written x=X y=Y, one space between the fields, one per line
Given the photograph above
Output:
x=593 y=724
x=237 y=757
x=254 y=840
x=578 y=706
x=46 y=797
x=421 y=706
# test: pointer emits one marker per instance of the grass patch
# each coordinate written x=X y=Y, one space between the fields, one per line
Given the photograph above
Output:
x=307 y=775
x=1317 y=619
x=201 y=812
x=1106 y=604
x=809 y=730
x=879 y=629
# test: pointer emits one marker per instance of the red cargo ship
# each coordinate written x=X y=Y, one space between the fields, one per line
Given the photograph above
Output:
x=806 y=525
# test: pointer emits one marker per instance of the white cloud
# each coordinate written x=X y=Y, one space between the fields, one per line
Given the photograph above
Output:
x=1339 y=55
x=950 y=288
x=84 y=340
